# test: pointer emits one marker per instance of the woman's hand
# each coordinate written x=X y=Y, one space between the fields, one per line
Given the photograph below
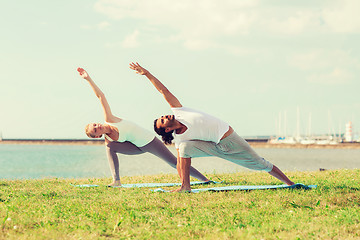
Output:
x=138 y=69
x=83 y=73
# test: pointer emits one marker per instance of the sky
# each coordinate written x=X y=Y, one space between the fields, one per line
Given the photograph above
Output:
x=262 y=66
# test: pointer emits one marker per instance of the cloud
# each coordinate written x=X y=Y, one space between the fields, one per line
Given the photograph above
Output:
x=323 y=58
x=336 y=76
x=131 y=41
x=343 y=16
x=326 y=67
x=315 y=59
x=103 y=25
x=86 y=27
x=293 y=23
x=339 y=16
x=203 y=24
x=195 y=23
x=100 y=26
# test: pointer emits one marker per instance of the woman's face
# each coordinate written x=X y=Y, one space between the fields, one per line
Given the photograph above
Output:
x=96 y=130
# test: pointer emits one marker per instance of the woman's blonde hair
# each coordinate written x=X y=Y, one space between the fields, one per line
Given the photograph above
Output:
x=87 y=131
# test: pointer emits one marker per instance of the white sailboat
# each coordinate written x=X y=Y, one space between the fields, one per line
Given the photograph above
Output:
x=330 y=138
x=309 y=139
x=281 y=135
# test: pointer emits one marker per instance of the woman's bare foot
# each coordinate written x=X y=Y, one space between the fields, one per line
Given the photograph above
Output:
x=116 y=183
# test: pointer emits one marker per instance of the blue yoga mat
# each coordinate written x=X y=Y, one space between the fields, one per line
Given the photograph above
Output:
x=245 y=188
x=163 y=184
x=84 y=185
x=139 y=185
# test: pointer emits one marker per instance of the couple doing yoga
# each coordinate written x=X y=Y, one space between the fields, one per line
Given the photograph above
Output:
x=195 y=134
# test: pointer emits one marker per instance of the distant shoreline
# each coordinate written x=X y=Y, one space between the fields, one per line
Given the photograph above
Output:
x=256 y=143
x=53 y=141
x=354 y=145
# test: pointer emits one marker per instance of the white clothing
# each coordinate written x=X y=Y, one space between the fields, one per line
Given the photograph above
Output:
x=232 y=148
x=129 y=131
x=200 y=126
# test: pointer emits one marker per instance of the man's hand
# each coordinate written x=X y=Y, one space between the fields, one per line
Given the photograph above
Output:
x=138 y=69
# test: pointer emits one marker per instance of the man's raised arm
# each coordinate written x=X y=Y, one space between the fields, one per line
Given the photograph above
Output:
x=169 y=97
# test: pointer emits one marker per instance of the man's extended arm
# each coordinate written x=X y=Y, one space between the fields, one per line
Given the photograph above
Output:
x=169 y=97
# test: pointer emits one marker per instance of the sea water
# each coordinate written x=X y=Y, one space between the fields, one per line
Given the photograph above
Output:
x=22 y=161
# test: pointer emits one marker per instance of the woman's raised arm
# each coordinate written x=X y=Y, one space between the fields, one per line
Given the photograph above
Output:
x=109 y=117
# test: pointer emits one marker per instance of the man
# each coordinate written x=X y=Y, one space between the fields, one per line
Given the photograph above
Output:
x=198 y=134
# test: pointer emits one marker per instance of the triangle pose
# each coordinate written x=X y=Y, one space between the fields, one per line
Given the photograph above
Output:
x=125 y=137
x=197 y=134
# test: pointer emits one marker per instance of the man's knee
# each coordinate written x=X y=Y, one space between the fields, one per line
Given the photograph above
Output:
x=186 y=149
x=191 y=149
x=187 y=145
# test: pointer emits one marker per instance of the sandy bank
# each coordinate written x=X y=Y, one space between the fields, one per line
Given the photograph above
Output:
x=317 y=146
x=53 y=141
x=254 y=144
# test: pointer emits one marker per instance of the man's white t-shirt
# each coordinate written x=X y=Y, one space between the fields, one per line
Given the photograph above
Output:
x=200 y=126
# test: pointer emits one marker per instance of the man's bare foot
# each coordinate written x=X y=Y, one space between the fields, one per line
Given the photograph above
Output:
x=116 y=183
x=290 y=183
x=182 y=189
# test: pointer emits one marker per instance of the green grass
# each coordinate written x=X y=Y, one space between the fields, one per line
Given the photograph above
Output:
x=52 y=209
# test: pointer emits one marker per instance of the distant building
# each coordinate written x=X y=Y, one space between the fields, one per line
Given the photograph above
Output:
x=349 y=135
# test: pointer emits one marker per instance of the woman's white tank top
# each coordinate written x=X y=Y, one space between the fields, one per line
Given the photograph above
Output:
x=131 y=132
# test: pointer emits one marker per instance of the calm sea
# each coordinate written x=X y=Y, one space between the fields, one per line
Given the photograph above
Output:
x=84 y=161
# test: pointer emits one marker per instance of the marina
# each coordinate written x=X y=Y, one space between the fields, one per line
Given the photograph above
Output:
x=349 y=137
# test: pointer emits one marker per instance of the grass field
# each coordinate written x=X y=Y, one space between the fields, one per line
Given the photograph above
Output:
x=52 y=209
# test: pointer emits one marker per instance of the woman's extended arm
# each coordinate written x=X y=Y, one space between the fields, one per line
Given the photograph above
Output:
x=169 y=97
x=109 y=117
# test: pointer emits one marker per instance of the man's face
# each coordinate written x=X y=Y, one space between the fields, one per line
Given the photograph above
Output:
x=165 y=122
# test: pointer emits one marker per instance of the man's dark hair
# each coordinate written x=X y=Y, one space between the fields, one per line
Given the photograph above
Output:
x=167 y=137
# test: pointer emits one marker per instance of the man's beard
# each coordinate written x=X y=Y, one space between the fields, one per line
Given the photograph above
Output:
x=171 y=123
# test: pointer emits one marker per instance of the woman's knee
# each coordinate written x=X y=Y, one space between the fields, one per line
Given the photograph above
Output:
x=126 y=148
x=110 y=147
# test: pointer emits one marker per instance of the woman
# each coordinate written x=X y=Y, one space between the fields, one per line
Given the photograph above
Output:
x=123 y=136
